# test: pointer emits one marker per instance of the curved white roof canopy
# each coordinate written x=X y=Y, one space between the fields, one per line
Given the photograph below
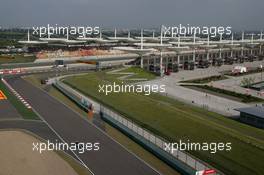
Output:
x=232 y=45
x=97 y=40
x=259 y=40
x=223 y=42
x=74 y=41
x=33 y=42
x=242 y=42
x=51 y=40
x=252 y=45
x=210 y=46
x=183 y=38
x=61 y=40
x=190 y=44
x=154 y=45
x=124 y=39
x=28 y=41
x=179 y=49
x=138 y=51
x=153 y=39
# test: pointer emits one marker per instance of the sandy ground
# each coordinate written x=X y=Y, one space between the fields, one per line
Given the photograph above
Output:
x=17 y=157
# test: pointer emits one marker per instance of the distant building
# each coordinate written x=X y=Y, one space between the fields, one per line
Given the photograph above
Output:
x=252 y=115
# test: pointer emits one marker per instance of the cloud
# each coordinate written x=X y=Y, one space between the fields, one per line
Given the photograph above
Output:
x=240 y=14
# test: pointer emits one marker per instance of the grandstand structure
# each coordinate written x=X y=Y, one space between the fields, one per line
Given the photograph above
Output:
x=160 y=53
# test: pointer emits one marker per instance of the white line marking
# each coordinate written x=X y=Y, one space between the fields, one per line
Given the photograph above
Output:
x=62 y=139
x=103 y=132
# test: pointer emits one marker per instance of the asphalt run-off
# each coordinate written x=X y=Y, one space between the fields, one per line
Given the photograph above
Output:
x=111 y=159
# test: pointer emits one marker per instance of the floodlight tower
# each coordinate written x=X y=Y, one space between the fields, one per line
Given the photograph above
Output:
x=141 y=39
x=115 y=33
x=232 y=45
x=28 y=41
x=207 y=47
x=160 y=47
x=67 y=35
x=100 y=36
x=260 y=46
x=194 y=48
x=128 y=34
x=161 y=56
x=252 y=42
x=208 y=44
x=49 y=35
x=141 y=47
x=28 y=37
x=178 y=48
x=178 y=55
x=260 y=54
x=220 y=50
x=242 y=49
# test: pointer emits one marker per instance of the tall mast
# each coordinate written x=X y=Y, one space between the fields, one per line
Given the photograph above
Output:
x=141 y=39
x=28 y=35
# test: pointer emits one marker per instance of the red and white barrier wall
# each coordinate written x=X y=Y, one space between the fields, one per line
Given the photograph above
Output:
x=16 y=94
x=12 y=71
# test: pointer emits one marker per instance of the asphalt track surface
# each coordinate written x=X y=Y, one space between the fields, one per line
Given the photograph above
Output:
x=111 y=159
x=37 y=127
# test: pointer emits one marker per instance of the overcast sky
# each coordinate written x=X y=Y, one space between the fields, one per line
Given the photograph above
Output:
x=240 y=14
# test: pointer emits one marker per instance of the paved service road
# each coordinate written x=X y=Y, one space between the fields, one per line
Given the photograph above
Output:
x=234 y=84
x=111 y=159
x=208 y=101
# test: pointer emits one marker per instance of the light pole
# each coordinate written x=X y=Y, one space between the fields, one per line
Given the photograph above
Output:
x=260 y=46
x=260 y=54
x=242 y=49
x=141 y=47
x=261 y=67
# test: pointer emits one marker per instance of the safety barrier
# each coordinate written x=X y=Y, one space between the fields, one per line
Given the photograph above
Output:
x=181 y=161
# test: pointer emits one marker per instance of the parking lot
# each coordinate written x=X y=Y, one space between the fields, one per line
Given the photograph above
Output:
x=207 y=101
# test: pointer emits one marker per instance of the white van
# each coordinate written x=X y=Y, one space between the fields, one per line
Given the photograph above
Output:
x=239 y=70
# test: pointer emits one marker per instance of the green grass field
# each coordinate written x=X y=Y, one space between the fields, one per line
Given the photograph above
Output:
x=20 y=107
x=111 y=131
x=174 y=120
x=17 y=58
x=139 y=73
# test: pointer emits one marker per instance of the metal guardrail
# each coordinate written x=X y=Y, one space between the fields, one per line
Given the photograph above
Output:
x=154 y=140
